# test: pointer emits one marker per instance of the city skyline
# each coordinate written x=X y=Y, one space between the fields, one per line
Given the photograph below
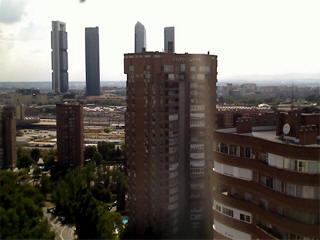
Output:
x=251 y=39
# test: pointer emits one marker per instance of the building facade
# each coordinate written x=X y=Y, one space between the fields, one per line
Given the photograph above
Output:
x=169 y=39
x=59 y=57
x=266 y=180
x=92 y=61
x=70 y=142
x=8 y=154
x=171 y=101
x=140 y=43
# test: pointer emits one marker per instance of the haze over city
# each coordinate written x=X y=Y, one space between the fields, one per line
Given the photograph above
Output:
x=251 y=38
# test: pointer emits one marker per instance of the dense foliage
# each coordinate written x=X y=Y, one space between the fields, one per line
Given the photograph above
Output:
x=82 y=197
x=20 y=209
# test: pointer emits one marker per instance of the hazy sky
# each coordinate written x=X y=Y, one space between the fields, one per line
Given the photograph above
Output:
x=249 y=36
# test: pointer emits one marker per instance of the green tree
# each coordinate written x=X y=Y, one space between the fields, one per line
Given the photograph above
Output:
x=36 y=174
x=107 y=130
x=107 y=150
x=74 y=200
x=45 y=184
x=89 y=152
x=20 y=210
x=97 y=158
x=35 y=154
x=120 y=181
x=24 y=161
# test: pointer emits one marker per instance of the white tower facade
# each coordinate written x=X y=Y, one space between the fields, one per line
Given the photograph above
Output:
x=139 y=38
x=59 y=57
x=168 y=38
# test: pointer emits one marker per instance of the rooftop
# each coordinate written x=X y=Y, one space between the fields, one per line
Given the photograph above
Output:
x=268 y=133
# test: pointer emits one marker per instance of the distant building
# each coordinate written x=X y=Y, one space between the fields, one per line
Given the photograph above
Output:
x=139 y=38
x=169 y=123
x=169 y=39
x=266 y=179
x=92 y=61
x=59 y=57
x=227 y=116
x=70 y=142
x=8 y=154
x=20 y=112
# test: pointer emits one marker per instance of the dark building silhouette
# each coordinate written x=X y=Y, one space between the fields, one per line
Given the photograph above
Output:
x=170 y=119
x=92 y=62
x=8 y=154
x=70 y=140
x=266 y=179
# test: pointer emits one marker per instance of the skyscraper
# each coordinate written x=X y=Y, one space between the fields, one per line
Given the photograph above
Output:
x=92 y=61
x=169 y=39
x=59 y=57
x=8 y=154
x=70 y=141
x=170 y=118
x=139 y=38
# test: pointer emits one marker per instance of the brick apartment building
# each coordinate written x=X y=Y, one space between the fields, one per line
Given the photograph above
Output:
x=266 y=180
x=8 y=154
x=70 y=142
x=227 y=116
x=170 y=118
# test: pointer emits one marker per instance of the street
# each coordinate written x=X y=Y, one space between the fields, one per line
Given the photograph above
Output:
x=63 y=232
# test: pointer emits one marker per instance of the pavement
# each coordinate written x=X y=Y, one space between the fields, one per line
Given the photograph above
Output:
x=63 y=232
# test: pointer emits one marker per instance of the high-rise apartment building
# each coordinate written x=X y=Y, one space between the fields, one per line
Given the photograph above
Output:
x=92 y=61
x=170 y=119
x=139 y=38
x=266 y=180
x=70 y=142
x=59 y=57
x=8 y=154
x=169 y=39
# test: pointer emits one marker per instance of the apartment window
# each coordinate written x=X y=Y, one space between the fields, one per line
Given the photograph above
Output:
x=171 y=76
x=302 y=166
x=312 y=167
x=291 y=189
x=192 y=68
x=227 y=211
x=247 y=152
x=277 y=185
x=200 y=76
x=262 y=179
x=218 y=207
x=263 y=157
x=299 y=191
x=233 y=150
x=182 y=67
x=131 y=68
x=224 y=148
x=168 y=68
x=204 y=68
x=245 y=218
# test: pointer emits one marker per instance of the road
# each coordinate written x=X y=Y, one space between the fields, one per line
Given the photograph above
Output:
x=64 y=232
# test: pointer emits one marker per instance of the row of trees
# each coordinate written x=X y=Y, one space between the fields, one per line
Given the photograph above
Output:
x=249 y=101
x=21 y=216
x=103 y=153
